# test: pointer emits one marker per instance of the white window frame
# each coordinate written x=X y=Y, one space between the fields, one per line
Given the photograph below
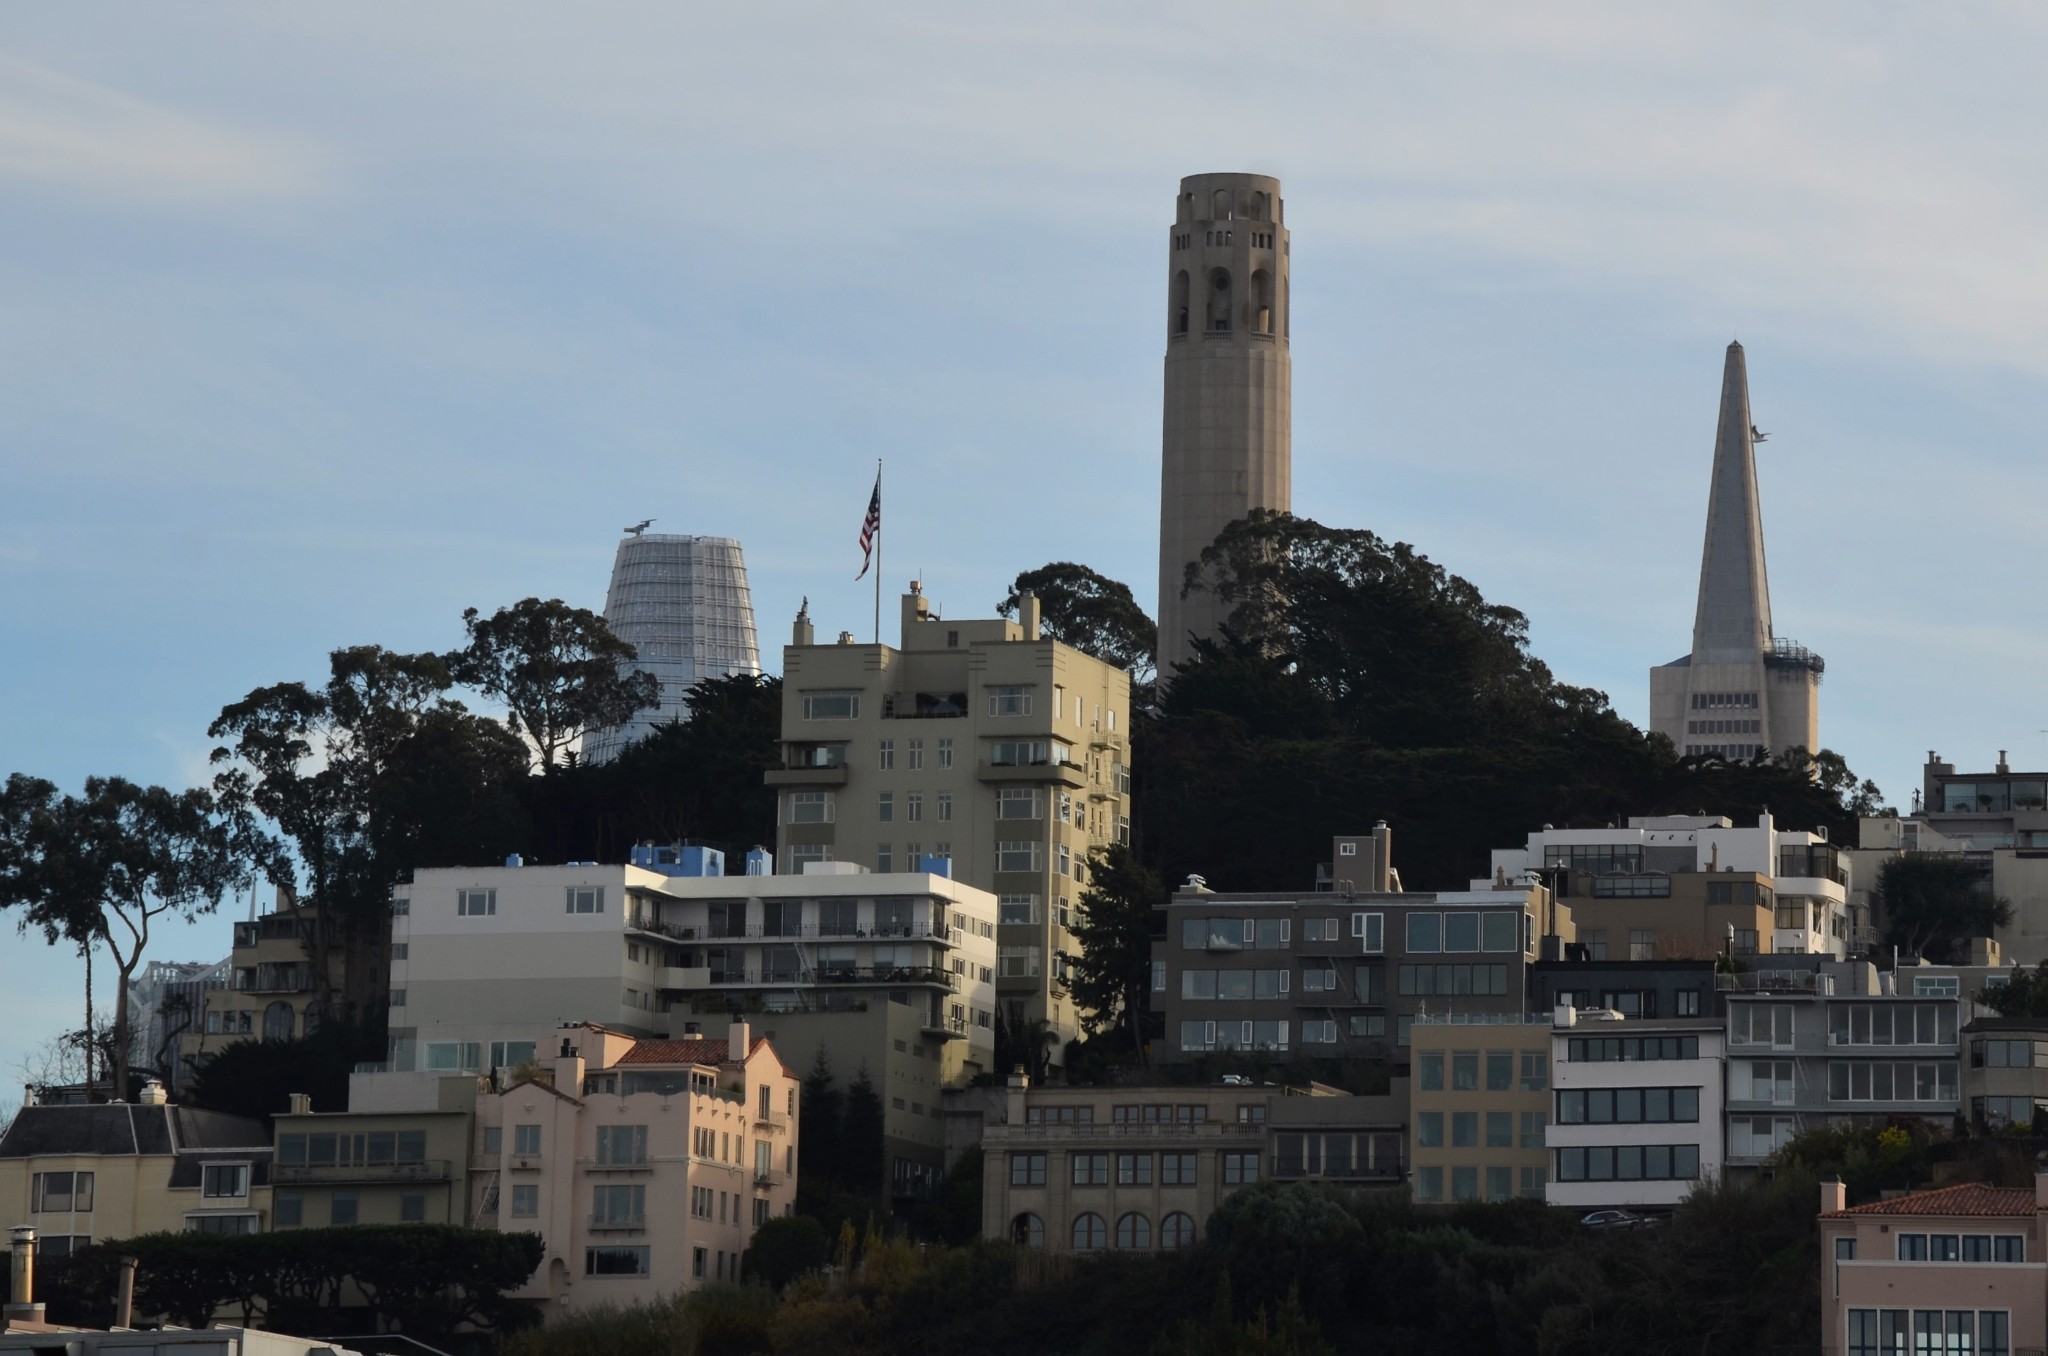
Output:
x=1009 y=699
x=476 y=903
x=816 y=704
x=822 y=801
x=576 y=896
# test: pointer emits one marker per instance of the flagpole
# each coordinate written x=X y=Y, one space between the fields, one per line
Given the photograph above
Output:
x=878 y=554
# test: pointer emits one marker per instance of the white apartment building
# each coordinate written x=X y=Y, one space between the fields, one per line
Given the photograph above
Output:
x=1636 y=1118
x=1657 y=868
x=892 y=972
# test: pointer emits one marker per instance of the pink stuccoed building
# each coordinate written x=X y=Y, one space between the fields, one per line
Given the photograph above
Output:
x=646 y=1165
x=1959 y=1270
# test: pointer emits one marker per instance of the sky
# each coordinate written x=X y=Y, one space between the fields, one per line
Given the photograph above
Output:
x=327 y=321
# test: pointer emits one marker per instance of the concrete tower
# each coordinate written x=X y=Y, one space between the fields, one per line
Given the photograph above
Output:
x=1742 y=690
x=1226 y=436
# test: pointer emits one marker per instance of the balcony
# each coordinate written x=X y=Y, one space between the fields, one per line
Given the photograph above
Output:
x=1069 y=775
x=846 y=974
x=367 y=1174
x=775 y=1122
x=655 y=928
x=618 y=1224
x=881 y=932
x=764 y=1179
x=805 y=776
x=944 y=1028
x=610 y=1167
x=523 y=1163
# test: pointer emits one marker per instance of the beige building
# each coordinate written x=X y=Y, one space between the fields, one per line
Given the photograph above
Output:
x=86 y=1172
x=1226 y=438
x=1480 y=1099
x=1743 y=690
x=398 y=1155
x=977 y=741
x=645 y=1165
x=269 y=990
x=1140 y=1169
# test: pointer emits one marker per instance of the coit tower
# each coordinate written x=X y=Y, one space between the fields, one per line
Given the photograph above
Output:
x=1225 y=439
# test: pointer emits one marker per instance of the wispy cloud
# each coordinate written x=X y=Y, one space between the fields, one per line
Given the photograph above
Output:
x=61 y=130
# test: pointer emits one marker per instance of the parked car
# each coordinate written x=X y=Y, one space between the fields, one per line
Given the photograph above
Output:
x=1614 y=1219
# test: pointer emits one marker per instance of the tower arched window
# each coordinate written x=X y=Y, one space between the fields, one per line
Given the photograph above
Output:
x=1180 y=302
x=1220 y=205
x=1134 y=1232
x=278 y=1020
x=1262 y=302
x=1219 y=300
x=1090 y=1233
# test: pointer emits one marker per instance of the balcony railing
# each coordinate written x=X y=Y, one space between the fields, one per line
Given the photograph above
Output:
x=618 y=1224
x=426 y=1170
x=911 y=932
x=945 y=1028
x=616 y=1165
x=771 y=1119
x=851 y=974
x=764 y=1179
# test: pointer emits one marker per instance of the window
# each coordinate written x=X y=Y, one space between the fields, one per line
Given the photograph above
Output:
x=1089 y=1169
x=1886 y=1081
x=1535 y=1071
x=1500 y=1070
x=1628 y=1163
x=341 y=1208
x=1429 y=1129
x=474 y=903
x=1451 y=979
x=220 y=1224
x=1018 y=962
x=1016 y=856
x=1319 y=981
x=913 y=806
x=1500 y=1129
x=1425 y=932
x=1966 y=1332
x=1465 y=1071
x=618 y=1206
x=1464 y=1129
x=1532 y=1130
x=839 y=705
x=1134 y=1169
x=525 y=1202
x=224 y=1180
x=1429 y=1071
x=412 y=1207
x=1133 y=1231
x=944 y=808
x=1027 y=1169
x=916 y=752
x=1240 y=1168
x=1177 y=1230
x=1370 y=929
x=945 y=754
x=1090 y=1234
x=885 y=807
x=525 y=1140
x=1017 y=908
x=1642 y=944
x=625 y=1261
x=1177 y=1169
x=1500 y=1183
x=288 y=1209
x=1028 y=1231
x=1012 y=700
x=1018 y=803
x=1598 y=1049
x=885 y=755
x=1319 y=1031
x=1628 y=1106
x=586 y=899
x=1429 y=1184
x=810 y=807
x=401 y=907
x=401 y=950
x=62 y=1192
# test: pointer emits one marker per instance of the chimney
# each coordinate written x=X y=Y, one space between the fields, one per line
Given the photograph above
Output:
x=301 y=1104
x=1028 y=614
x=124 y=1303
x=153 y=1094
x=2003 y=766
x=569 y=1075
x=24 y=1308
x=1382 y=858
x=1014 y=1095
x=1834 y=1196
x=738 y=1042
x=803 y=633
x=915 y=610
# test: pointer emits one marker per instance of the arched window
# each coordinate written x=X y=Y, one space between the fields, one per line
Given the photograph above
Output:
x=278 y=1020
x=1177 y=1230
x=1090 y=1233
x=1133 y=1231
x=1180 y=302
x=1219 y=300
x=1262 y=302
x=1261 y=211
x=1220 y=205
x=1028 y=1230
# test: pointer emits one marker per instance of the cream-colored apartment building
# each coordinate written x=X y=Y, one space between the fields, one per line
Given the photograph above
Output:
x=1480 y=1093
x=977 y=741
x=398 y=1155
x=644 y=1165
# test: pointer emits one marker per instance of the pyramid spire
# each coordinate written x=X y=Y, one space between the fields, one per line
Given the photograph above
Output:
x=1733 y=623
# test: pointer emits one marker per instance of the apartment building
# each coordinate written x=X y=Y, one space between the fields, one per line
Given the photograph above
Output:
x=1634 y=988
x=1956 y=1269
x=1691 y=887
x=2005 y=1074
x=1480 y=1099
x=895 y=973
x=81 y=1172
x=1341 y=975
x=1636 y=1121
x=1140 y=1169
x=981 y=742
x=1836 y=1041
x=645 y=1165
x=268 y=988
x=388 y=1159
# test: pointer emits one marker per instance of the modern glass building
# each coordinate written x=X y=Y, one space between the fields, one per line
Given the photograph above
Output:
x=683 y=604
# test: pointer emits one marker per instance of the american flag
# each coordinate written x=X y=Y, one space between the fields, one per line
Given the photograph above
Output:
x=870 y=528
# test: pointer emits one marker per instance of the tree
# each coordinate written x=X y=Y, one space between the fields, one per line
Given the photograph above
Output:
x=255 y=1078
x=1113 y=974
x=863 y=1148
x=1093 y=613
x=1023 y=1042
x=2024 y=994
x=103 y=867
x=1933 y=904
x=559 y=670
x=786 y=1248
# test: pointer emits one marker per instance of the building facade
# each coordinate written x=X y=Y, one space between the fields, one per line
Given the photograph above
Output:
x=77 y=1173
x=269 y=987
x=1743 y=690
x=1636 y=1121
x=1480 y=1099
x=1141 y=1168
x=1692 y=887
x=645 y=1166
x=1633 y=988
x=980 y=742
x=1226 y=442
x=1336 y=975
x=1998 y=820
x=683 y=604
x=1955 y=1269
x=386 y=1160
x=2005 y=1073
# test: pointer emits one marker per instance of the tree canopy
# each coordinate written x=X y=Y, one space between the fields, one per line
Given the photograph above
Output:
x=559 y=670
x=1933 y=904
x=1093 y=613
x=1113 y=974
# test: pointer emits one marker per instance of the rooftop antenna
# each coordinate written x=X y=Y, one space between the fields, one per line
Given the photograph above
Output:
x=639 y=527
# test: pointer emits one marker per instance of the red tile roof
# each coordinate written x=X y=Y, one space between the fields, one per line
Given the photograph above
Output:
x=695 y=1051
x=1971 y=1198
